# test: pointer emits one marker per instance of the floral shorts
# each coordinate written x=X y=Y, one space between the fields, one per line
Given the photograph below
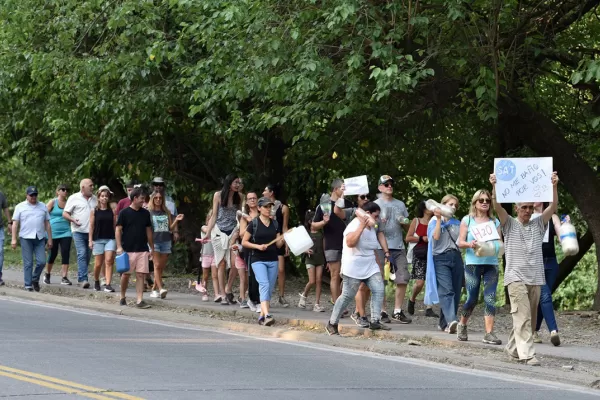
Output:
x=419 y=269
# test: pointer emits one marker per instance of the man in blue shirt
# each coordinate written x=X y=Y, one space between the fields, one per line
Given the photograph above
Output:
x=33 y=219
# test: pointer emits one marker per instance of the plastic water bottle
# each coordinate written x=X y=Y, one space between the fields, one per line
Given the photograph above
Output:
x=568 y=238
x=493 y=248
x=325 y=203
x=447 y=212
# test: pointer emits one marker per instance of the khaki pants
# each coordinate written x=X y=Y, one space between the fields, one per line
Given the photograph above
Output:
x=524 y=300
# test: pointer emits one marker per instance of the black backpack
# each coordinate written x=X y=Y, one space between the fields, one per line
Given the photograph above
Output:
x=255 y=228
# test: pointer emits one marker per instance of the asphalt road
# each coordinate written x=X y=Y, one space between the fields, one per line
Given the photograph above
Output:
x=48 y=352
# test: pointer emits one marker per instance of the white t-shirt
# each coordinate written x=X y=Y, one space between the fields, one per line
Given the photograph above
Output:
x=80 y=208
x=359 y=262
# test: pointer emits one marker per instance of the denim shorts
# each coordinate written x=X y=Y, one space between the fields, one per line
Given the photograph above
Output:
x=102 y=245
x=163 y=247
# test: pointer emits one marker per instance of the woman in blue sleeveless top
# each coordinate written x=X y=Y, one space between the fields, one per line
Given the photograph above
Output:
x=61 y=235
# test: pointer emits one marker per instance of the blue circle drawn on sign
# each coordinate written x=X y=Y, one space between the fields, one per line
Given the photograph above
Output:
x=506 y=170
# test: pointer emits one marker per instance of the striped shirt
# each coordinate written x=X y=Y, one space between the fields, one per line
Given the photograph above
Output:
x=523 y=248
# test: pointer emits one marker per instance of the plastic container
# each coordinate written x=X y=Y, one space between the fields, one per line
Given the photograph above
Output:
x=298 y=240
x=493 y=248
x=122 y=263
x=325 y=204
x=568 y=239
x=360 y=213
x=447 y=212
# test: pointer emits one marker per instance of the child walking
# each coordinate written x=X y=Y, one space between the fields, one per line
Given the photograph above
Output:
x=208 y=264
x=315 y=259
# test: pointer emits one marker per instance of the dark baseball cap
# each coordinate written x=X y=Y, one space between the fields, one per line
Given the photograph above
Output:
x=263 y=201
x=31 y=190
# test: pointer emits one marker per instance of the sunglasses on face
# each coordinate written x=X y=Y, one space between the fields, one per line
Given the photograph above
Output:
x=33 y=195
x=486 y=201
x=388 y=184
x=363 y=197
x=159 y=185
x=63 y=190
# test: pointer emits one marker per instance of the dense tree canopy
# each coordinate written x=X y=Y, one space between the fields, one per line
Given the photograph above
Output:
x=298 y=92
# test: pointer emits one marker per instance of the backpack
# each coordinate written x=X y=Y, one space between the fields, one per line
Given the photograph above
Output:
x=255 y=228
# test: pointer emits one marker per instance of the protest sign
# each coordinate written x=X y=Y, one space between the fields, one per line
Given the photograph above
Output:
x=485 y=232
x=356 y=185
x=523 y=180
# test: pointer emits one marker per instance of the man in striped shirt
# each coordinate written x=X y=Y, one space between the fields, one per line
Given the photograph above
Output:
x=524 y=272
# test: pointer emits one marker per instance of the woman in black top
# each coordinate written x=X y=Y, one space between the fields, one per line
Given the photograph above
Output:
x=263 y=239
x=102 y=238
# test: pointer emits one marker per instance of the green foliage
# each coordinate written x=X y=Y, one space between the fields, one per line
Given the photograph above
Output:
x=578 y=289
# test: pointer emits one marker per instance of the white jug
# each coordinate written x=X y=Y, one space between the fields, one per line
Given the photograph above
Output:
x=298 y=240
x=568 y=239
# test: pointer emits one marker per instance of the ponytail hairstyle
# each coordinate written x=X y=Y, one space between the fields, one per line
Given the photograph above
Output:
x=308 y=219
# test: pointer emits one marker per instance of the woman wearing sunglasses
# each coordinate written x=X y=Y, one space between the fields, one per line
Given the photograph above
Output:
x=61 y=235
x=477 y=267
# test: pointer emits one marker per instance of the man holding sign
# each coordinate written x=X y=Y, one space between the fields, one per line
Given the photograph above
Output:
x=524 y=274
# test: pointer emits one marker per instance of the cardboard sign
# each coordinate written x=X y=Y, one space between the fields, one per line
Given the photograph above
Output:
x=523 y=180
x=485 y=232
x=356 y=185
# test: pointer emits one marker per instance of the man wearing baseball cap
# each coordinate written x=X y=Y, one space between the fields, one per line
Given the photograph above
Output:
x=31 y=224
x=394 y=219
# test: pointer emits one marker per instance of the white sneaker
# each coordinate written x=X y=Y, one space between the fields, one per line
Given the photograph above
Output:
x=251 y=305
x=205 y=298
x=258 y=308
x=163 y=293
x=155 y=294
x=302 y=302
x=318 y=308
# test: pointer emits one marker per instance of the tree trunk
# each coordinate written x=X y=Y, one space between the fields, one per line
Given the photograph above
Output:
x=539 y=133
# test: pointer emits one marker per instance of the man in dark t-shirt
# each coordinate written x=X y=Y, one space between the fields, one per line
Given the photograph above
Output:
x=134 y=234
x=333 y=232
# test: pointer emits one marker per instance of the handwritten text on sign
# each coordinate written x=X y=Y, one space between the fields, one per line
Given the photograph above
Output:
x=523 y=180
x=485 y=232
x=356 y=185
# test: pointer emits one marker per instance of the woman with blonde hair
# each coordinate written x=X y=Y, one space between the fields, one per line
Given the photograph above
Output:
x=163 y=224
x=477 y=267
x=102 y=238
x=445 y=269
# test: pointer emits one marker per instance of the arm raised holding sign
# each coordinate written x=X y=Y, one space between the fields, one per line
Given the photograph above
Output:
x=501 y=212
x=551 y=209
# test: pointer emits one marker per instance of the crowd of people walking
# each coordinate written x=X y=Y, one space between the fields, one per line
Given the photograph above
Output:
x=363 y=244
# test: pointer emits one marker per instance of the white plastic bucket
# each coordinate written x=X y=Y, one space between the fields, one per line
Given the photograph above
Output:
x=298 y=240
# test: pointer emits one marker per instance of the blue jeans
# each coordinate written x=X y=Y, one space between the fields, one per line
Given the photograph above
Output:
x=546 y=308
x=449 y=274
x=84 y=254
x=349 y=290
x=29 y=248
x=1 y=250
x=266 y=276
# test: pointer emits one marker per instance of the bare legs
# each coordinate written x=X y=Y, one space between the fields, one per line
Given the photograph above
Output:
x=281 y=275
x=334 y=271
x=160 y=262
x=315 y=276
x=140 y=282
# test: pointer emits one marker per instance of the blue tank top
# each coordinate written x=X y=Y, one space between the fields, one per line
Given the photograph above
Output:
x=60 y=226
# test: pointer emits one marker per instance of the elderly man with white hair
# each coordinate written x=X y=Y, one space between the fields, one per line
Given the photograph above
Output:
x=524 y=270
x=77 y=211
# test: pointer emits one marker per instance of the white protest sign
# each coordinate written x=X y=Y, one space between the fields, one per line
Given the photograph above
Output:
x=523 y=180
x=356 y=185
x=485 y=232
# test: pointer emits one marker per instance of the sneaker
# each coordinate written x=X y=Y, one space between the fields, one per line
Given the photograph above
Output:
x=411 y=307
x=244 y=304
x=318 y=308
x=452 y=327
x=218 y=299
x=554 y=338
x=269 y=320
x=491 y=338
x=102 y=281
x=283 y=302
x=258 y=309
x=142 y=304
x=109 y=289
x=163 y=293
x=400 y=317
x=2 y=282
x=536 y=338
x=155 y=294
x=377 y=326
x=47 y=279
x=230 y=299
x=462 y=334
x=251 y=305
x=123 y=302
x=355 y=316
x=302 y=301
x=97 y=286
x=345 y=313
x=261 y=320
x=225 y=301
x=205 y=298
x=85 y=284
x=29 y=288
x=534 y=362
x=36 y=286
x=363 y=322
x=385 y=317
x=332 y=329
x=65 y=281
x=430 y=313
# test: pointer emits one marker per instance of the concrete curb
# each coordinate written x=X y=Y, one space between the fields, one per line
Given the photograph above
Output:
x=356 y=339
